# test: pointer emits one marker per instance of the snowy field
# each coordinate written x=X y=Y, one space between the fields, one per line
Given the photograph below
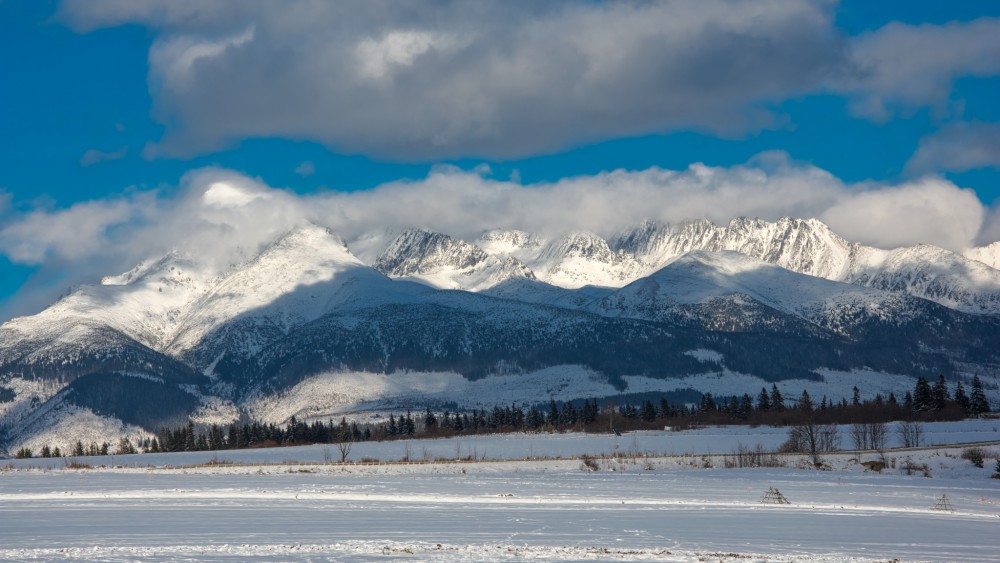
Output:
x=508 y=504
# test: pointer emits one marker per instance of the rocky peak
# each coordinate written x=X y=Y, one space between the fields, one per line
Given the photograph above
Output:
x=416 y=251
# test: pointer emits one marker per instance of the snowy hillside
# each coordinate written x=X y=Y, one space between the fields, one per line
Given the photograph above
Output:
x=300 y=277
x=659 y=308
x=929 y=272
x=703 y=278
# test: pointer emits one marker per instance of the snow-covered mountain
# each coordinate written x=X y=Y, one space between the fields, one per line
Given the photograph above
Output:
x=989 y=254
x=969 y=283
x=806 y=246
x=444 y=262
x=175 y=338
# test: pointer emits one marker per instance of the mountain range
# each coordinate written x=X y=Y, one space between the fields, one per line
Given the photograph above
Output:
x=314 y=326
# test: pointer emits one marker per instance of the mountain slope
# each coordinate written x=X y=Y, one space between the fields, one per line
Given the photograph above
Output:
x=300 y=277
x=175 y=331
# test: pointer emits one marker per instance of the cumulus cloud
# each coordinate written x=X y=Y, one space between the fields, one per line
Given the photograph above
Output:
x=67 y=234
x=905 y=67
x=991 y=227
x=93 y=156
x=223 y=217
x=929 y=210
x=957 y=148
x=425 y=79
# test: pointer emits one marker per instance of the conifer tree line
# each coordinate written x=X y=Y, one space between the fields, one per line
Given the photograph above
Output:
x=926 y=402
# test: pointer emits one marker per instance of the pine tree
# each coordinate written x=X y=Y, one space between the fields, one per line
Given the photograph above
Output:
x=707 y=403
x=553 y=412
x=923 y=396
x=232 y=438
x=410 y=427
x=745 y=408
x=805 y=402
x=125 y=447
x=189 y=444
x=569 y=415
x=665 y=410
x=856 y=400
x=763 y=401
x=978 y=404
x=777 y=401
x=430 y=421
x=962 y=399
x=940 y=393
x=648 y=412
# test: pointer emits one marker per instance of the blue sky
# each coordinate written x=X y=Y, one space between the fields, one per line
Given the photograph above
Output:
x=94 y=106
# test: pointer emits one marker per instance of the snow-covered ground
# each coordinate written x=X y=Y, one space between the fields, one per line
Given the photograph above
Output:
x=509 y=503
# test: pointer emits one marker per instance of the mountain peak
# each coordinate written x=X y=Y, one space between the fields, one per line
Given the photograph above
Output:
x=309 y=234
x=418 y=251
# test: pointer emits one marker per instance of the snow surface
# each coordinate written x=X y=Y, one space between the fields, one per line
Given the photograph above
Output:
x=291 y=504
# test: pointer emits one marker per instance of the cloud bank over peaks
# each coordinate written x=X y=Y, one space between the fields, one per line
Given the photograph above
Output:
x=426 y=79
x=224 y=217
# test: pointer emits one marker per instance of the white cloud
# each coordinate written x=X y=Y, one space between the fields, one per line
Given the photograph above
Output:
x=957 y=148
x=306 y=169
x=173 y=61
x=426 y=79
x=94 y=156
x=905 y=67
x=928 y=210
x=67 y=234
x=222 y=216
x=397 y=49
x=991 y=227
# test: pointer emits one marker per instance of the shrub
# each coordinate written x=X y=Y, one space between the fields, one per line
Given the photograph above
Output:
x=975 y=455
x=74 y=464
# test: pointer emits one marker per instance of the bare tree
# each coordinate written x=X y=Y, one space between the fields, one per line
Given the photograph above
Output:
x=829 y=438
x=812 y=438
x=877 y=434
x=859 y=436
x=911 y=434
x=869 y=436
x=344 y=448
